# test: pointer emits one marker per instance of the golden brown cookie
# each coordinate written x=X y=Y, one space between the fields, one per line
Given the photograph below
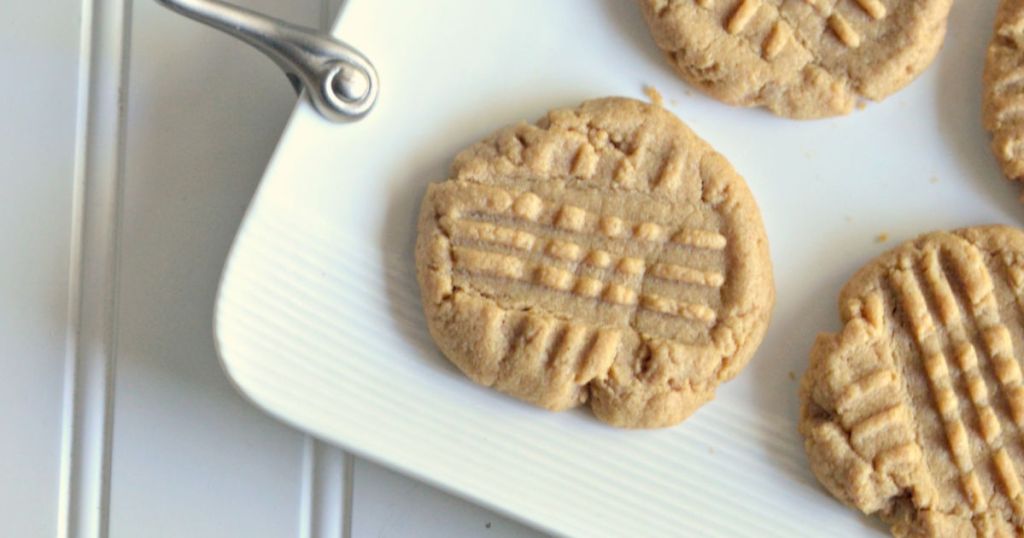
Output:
x=798 y=58
x=1003 y=108
x=605 y=254
x=915 y=410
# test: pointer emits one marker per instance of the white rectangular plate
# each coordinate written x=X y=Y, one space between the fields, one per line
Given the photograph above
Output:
x=319 y=320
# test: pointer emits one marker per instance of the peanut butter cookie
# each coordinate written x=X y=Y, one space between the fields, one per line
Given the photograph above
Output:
x=915 y=410
x=605 y=255
x=798 y=58
x=1004 y=88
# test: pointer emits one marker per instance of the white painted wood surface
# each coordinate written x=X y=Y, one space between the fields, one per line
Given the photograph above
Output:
x=37 y=147
x=131 y=144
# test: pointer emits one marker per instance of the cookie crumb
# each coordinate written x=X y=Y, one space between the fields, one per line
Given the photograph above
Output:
x=654 y=95
x=848 y=218
x=488 y=525
x=809 y=154
x=881 y=238
x=861 y=105
x=792 y=375
x=933 y=179
x=711 y=450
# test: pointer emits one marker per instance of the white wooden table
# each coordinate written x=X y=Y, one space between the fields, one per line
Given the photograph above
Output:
x=132 y=140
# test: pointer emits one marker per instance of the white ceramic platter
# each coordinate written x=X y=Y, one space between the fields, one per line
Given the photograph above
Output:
x=319 y=320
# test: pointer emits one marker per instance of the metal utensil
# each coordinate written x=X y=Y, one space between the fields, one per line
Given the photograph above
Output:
x=341 y=83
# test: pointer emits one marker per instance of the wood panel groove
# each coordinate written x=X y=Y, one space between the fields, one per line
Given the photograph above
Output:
x=83 y=506
x=326 y=491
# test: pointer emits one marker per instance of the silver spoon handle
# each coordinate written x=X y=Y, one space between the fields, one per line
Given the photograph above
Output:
x=340 y=81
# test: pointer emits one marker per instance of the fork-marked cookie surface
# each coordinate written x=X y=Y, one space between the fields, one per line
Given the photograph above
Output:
x=604 y=255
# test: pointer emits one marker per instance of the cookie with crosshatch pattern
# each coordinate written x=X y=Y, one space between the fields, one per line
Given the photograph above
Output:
x=604 y=255
x=915 y=410
x=798 y=58
x=1003 y=108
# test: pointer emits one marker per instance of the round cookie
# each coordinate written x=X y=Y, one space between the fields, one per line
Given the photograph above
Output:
x=605 y=255
x=1003 y=107
x=798 y=58
x=915 y=410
